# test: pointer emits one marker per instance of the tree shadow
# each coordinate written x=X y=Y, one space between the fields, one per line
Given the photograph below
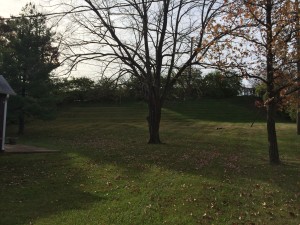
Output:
x=40 y=185
x=232 y=154
x=239 y=158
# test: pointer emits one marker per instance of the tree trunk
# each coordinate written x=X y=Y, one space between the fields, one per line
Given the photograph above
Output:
x=22 y=113
x=272 y=137
x=298 y=114
x=298 y=102
x=271 y=105
x=154 y=107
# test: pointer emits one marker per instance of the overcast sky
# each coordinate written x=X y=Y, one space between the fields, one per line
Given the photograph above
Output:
x=13 y=7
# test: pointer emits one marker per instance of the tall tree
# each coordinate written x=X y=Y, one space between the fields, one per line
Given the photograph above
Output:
x=263 y=49
x=27 y=61
x=145 y=39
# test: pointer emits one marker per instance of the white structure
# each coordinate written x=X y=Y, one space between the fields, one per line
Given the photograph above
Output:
x=5 y=91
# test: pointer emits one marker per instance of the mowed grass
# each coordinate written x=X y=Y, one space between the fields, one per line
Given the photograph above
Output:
x=212 y=169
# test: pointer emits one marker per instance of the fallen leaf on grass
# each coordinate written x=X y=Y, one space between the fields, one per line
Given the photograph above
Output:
x=205 y=216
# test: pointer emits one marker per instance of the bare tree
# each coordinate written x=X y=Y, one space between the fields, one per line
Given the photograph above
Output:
x=147 y=39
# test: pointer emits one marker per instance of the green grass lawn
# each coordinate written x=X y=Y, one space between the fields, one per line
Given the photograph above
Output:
x=107 y=174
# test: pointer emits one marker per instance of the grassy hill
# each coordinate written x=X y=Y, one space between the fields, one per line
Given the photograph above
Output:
x=212 y=169
x=238 y=109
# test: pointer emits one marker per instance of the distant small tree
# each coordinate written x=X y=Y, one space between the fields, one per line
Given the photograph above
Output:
x=134 y=88
x=261 y=90
x=105 y=90
x=28 y=58
x=76 y=89
x=291 y=107
x=188 y=85
x=84 y=89
x=215 y=84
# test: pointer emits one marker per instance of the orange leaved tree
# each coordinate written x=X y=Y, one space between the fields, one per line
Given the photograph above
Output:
x=264 y=49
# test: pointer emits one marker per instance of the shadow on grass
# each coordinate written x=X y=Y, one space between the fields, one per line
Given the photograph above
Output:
x=39 y=185
x=104 y=137
x=235 y=154
x=218 y=155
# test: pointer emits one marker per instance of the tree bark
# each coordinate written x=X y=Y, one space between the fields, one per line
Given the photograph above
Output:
x=154 y=107
x=298 y=110
x=272 y=137
x=271 y=104
x=298 y=104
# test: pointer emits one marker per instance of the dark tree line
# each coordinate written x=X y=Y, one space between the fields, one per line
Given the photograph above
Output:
x=84 y=89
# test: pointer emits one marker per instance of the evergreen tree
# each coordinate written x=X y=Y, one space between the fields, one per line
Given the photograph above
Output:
x=28 y=58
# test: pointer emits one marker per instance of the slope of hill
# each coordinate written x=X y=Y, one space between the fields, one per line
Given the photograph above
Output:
x=212 y=169
x=237 y=109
